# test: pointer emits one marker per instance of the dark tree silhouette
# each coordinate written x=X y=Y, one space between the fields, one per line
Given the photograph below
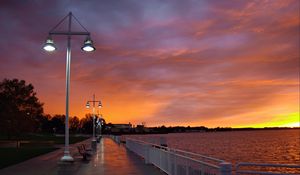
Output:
x=57 y=123
x=19 y=107
x=74 y=124
x=86 y=124
x=43 y=124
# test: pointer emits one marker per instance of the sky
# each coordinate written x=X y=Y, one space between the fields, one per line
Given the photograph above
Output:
x=162 y=62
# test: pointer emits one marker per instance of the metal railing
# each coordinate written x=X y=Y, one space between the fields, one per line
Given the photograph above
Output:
x=267 y=169
x=177 y=162
x=115 y=138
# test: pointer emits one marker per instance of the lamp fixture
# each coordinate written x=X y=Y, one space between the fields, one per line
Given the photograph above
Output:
x=87 y=105
x=100 y=104
x=88 y=45
x=49 y=45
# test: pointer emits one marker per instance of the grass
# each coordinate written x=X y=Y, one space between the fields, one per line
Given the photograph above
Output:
x=11 y=156
x=47 y=137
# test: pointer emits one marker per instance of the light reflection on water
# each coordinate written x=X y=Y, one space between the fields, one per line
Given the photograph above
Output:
x=260 y=146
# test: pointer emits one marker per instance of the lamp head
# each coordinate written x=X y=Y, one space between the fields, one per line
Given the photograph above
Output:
x=100 y=104
x=88 y=45
x=49 y=45
x=87 y=105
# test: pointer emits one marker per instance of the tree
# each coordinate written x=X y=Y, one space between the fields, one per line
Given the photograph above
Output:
x=19 y=107
x=87 y=124
x=74 y=124
x=43 y=124
x=57 y=123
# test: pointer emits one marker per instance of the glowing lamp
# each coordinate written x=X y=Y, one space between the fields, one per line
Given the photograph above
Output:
x=88 y=45
x=87 y=105
x=49 y=45
x=100 y=104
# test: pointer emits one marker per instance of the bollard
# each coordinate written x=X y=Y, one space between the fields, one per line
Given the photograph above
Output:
x=225 y=168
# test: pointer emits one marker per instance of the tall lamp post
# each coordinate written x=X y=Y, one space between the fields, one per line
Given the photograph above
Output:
x=49 y=46
x=99 y=106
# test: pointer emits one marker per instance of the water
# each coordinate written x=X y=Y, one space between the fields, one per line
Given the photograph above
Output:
x=260 y=146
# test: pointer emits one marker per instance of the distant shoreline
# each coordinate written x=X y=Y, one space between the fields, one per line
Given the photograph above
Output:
x=181 y=129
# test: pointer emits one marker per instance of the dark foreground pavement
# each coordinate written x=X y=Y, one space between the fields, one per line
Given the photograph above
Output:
x=110 y=159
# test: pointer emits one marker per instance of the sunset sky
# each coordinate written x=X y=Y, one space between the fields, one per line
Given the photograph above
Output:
x=162 y=62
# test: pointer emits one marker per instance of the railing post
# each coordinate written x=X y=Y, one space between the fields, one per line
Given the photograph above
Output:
x=147 y=147
x=225 y=168
x=127 y=143
x=169 y=161
x=175 y=163
x=202 y=169
x=160 y=162
x=186 y=165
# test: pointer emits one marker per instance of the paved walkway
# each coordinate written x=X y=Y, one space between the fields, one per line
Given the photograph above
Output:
x=110 y=159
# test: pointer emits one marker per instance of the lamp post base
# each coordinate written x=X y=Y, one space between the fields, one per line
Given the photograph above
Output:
x=67 y=158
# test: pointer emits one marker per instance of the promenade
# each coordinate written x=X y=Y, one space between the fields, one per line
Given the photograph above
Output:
x=110 y=159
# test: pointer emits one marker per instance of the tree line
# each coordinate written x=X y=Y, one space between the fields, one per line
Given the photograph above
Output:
x=21 y=113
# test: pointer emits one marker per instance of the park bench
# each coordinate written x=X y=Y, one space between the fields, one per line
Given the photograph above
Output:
x=82 y=152
x=85 y=149
x=85 y=153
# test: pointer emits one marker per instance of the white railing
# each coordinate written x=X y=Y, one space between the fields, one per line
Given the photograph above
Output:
x=267 y=169
x=177 y=162
x=115 y=138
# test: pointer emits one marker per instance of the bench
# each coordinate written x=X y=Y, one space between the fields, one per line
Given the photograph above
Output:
x=85 y=149
x=85 y=153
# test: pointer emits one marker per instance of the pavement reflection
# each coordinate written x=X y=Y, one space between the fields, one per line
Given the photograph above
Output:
x=109 y=159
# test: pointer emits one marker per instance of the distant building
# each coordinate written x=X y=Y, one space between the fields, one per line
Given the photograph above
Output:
x=141 y=129
x=115 y=128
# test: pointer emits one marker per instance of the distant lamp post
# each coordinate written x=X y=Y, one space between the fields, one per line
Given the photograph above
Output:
x=50 y=47
x=100 y=123
x=99 y=106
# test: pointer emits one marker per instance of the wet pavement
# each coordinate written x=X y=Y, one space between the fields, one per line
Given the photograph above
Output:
x=110 y=159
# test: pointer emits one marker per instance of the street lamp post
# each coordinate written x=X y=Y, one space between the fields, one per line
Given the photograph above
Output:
x=99 y=106
x=99 y=123
x=49 y=46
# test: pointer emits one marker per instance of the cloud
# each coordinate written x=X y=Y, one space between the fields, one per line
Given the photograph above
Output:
x=171 y=62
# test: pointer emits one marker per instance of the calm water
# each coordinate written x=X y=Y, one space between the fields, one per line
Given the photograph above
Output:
x=268 y=146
